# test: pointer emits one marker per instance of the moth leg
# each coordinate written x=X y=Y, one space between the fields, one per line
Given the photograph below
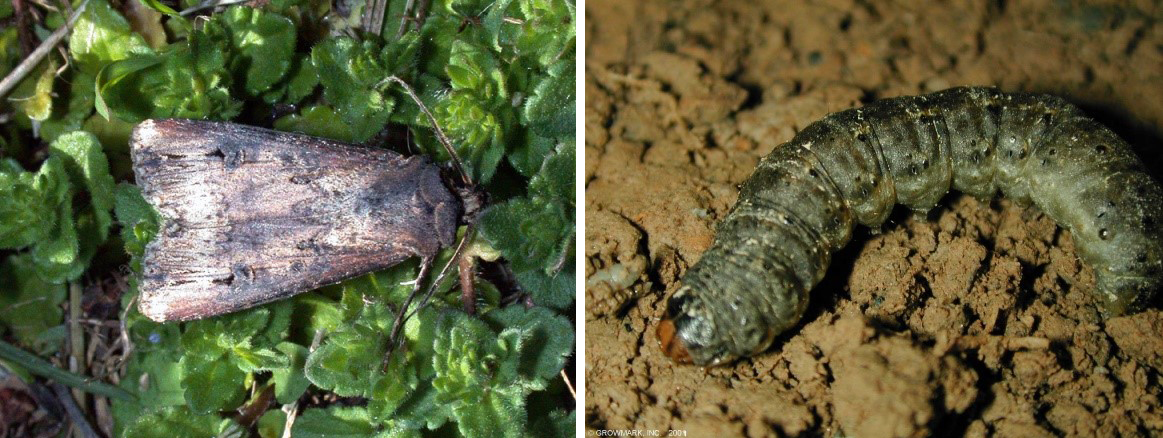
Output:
x=394 y=339
x=467 y=266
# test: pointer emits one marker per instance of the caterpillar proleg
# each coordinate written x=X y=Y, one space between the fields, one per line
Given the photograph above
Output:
x=804 y=199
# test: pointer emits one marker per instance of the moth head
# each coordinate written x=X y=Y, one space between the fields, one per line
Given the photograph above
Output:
x=473 y=200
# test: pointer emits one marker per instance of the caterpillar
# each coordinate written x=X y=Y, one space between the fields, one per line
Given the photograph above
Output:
x=803 y=200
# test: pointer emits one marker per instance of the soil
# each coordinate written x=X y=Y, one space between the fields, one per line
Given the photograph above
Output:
x=976 y=320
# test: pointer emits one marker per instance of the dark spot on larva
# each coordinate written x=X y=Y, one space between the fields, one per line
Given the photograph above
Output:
x=862 y=137
x=913 y=170
x=813 y=173
x=1141 y=258
x=1022 y=154
x=864 y=192
x=297 y=266
x=1043 y=162
x=1100 y=148
x=815 y=57
x=1052 y=152
x=227 y=280
x=216 y=153
x=1046 y=118
x=300 y=179
x=993 y=109
x=1104 y=234
x=1148 y=221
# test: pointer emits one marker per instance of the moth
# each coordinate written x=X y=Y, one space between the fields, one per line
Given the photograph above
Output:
x=804 y=199
x=251 y=215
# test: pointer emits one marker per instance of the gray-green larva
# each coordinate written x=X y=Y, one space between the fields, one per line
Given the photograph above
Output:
x=804 y=199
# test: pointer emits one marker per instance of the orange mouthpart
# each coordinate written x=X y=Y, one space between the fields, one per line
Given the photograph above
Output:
x=672 y=346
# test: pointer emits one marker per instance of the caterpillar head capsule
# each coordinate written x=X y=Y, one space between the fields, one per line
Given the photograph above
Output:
x=702 y=333
x=716 y=317
x=686 y=333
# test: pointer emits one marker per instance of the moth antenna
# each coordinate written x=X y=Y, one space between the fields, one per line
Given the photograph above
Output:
x=436 y=126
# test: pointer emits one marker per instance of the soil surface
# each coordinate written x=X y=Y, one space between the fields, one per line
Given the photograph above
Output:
x=976 y=320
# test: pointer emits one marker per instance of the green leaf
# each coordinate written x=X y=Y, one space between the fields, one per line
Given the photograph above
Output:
x=101 y=35
x=320 y=121
x=29 y=306
x=347 y=363
x=547 y=339
x=352 y=76
x=38 y=104
x=470 y=365
x=555 y=180
x=334 y=422
x=114 y=73
x=157 y=5
x=190 y=81
x=303 y=80
x=558 y=423
x=536 y=233
x=212 y=384
x=218 y=354
x=263 y=43
x=87 y=167
x=549 y=111
x=496 y=414
x=29 y=202
x=57 y=257
x=138 y=219
x=271 y=424
x=172 y=422
x=78 y=105
x=290 y=381
x=535 y=236
x=40 y=210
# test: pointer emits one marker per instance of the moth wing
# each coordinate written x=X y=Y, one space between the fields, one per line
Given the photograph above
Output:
x=251 y=215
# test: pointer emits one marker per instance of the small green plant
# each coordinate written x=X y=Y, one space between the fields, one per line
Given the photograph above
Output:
x=499 y=77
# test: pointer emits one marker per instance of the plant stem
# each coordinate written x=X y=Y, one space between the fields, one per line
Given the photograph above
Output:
x=25 y=67
x=41 y=367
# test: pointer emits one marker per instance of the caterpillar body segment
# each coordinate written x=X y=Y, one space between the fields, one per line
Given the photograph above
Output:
x=804 y=199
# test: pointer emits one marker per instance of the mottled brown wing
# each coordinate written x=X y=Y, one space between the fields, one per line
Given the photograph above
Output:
x=251 y=215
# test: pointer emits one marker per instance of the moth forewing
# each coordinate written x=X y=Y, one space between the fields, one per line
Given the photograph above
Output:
x=251 y=215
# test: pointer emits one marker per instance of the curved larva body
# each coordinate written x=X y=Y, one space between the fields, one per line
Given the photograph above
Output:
x=804 y=199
